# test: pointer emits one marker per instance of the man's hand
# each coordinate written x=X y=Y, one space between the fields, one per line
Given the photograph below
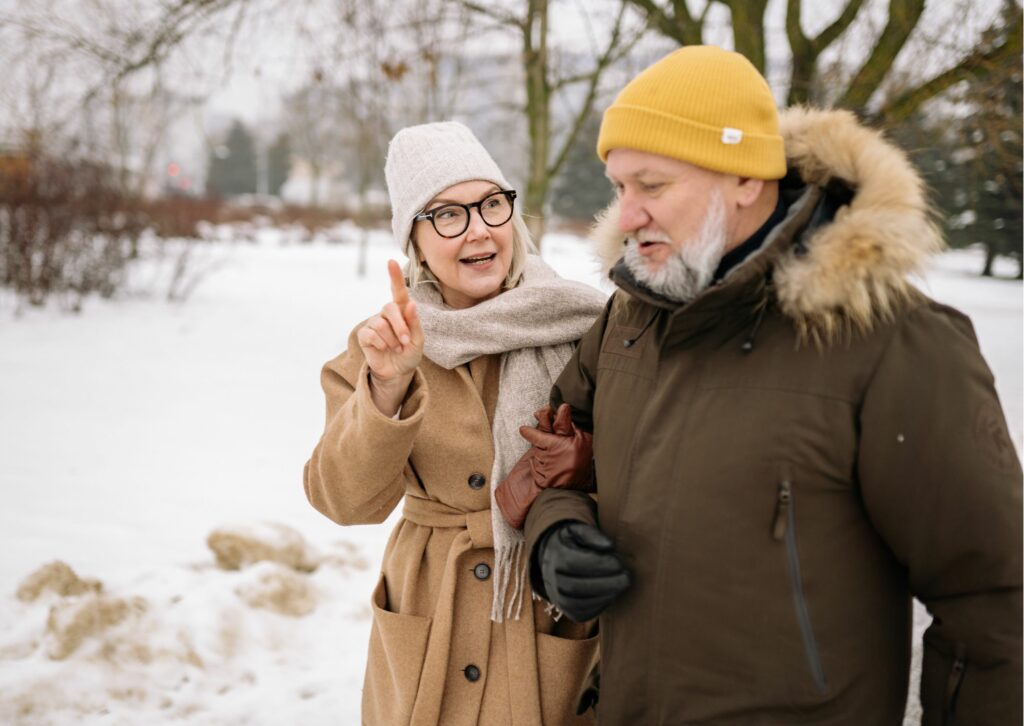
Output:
x=581 y=571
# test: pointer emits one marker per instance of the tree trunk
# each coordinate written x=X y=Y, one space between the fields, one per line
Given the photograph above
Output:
x=538 y=114
x=748 y=30
x=364 y=233
x=990 y=258
x=805 y=56
x=314 y=187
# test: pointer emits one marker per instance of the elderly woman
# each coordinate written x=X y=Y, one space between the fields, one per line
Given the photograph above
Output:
x=425 y=406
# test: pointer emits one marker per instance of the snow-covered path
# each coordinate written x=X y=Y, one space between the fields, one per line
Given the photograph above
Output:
x=129 y=433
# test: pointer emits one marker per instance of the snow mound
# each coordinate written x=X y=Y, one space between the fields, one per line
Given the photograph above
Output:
x=79 y=618
x=239 y=546
x=56 y=577
x=265 y=631
x=347 y=556
x=280 y=590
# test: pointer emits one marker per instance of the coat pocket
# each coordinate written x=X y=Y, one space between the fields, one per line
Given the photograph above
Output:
x=564 y=665
x=398 y=644
x=784 y=531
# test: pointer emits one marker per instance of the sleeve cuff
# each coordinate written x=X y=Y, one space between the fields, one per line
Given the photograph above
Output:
x=410 y=410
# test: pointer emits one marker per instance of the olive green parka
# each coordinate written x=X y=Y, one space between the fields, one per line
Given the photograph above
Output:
x=786 y=460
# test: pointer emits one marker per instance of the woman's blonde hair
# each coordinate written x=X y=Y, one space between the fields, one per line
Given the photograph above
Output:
x=522 y=245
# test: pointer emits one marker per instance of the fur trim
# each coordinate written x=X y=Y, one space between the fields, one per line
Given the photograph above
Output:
x=855 y=271
x=609 y=243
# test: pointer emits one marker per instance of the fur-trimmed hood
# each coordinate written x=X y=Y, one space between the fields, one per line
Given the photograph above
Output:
x=855 y=269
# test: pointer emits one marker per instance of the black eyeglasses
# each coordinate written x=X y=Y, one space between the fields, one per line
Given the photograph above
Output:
x=451 y=220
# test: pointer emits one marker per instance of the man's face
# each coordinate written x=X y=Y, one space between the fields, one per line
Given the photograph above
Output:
x=663 y=202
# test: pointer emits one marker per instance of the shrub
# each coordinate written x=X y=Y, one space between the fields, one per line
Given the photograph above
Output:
x=66 y=228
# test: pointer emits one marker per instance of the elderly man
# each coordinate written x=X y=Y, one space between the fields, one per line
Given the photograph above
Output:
x=789 y=440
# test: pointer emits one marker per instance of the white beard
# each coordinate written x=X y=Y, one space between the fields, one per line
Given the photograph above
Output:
x=688 y=270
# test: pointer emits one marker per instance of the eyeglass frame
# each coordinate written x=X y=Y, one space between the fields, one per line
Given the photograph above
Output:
x=509 y=194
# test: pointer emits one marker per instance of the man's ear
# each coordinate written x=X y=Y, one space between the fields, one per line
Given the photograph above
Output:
x=748 y=191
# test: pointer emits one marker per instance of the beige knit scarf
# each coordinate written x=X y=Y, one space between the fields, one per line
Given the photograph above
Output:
x=533 y=326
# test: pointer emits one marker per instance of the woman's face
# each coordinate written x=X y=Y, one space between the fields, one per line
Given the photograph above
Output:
x=471 y=267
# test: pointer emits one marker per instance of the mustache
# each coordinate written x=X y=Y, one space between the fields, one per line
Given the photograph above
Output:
x=641 y=236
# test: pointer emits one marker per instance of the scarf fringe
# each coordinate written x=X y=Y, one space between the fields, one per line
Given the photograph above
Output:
x=509 y=573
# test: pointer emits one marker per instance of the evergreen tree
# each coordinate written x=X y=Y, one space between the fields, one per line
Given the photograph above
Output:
x=279 y=164
x=231 y=169
x=987 y=166
x=972 y=162
x=582 y=189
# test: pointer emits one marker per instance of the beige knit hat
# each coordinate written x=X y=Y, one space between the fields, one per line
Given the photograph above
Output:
x=426 y=159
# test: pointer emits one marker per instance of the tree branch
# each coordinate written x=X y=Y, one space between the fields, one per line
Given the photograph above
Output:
x=903 y=18
x=229 y=45
x=618 y=52
x=807 y=50
x=611 y=55
x=503 y=18
x=801 y=72
x=828 y=36
x=681 y=11
x=680 y=27
x=794 y=31
x=978 y=65
x=704 y=15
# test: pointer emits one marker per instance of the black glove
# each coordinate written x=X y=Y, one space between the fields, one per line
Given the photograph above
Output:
x=580 y=569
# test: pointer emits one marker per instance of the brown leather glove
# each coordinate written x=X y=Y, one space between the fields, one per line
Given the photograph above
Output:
x=561 y=456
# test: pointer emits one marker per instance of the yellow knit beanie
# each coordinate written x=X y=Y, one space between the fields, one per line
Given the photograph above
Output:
x=704 y=105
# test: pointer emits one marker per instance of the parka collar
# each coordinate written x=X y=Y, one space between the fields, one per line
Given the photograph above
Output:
x=744 y=290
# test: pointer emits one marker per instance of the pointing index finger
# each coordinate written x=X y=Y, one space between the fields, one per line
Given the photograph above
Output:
x=399 y=291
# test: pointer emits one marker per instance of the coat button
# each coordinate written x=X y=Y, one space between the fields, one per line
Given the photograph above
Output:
x=482 y=571
x=476 y=481
x=472 y=673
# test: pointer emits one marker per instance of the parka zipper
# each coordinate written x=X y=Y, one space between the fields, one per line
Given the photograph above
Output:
x=784 y=530
x=956 y=677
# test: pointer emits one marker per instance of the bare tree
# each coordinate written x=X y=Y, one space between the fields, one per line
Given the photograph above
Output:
x=902 y=20
x=314 y=131
x=414 y=46
x=58 y=87
x=543 y=81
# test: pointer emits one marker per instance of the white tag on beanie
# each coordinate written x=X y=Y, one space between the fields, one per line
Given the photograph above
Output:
x=731 y=136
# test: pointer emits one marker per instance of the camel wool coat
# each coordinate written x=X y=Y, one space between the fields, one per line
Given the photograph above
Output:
x=435 y=656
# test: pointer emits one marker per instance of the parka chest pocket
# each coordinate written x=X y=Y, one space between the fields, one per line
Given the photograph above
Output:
x=783 y=531
x=621 y=341
x=626 y=349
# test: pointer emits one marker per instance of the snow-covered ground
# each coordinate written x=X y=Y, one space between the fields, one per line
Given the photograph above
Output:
x=134 y=434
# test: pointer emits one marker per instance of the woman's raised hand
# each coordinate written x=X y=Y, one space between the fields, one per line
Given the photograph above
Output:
x=392 y=342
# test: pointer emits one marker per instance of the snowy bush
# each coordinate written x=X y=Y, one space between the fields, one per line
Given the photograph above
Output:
x=66 y=228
